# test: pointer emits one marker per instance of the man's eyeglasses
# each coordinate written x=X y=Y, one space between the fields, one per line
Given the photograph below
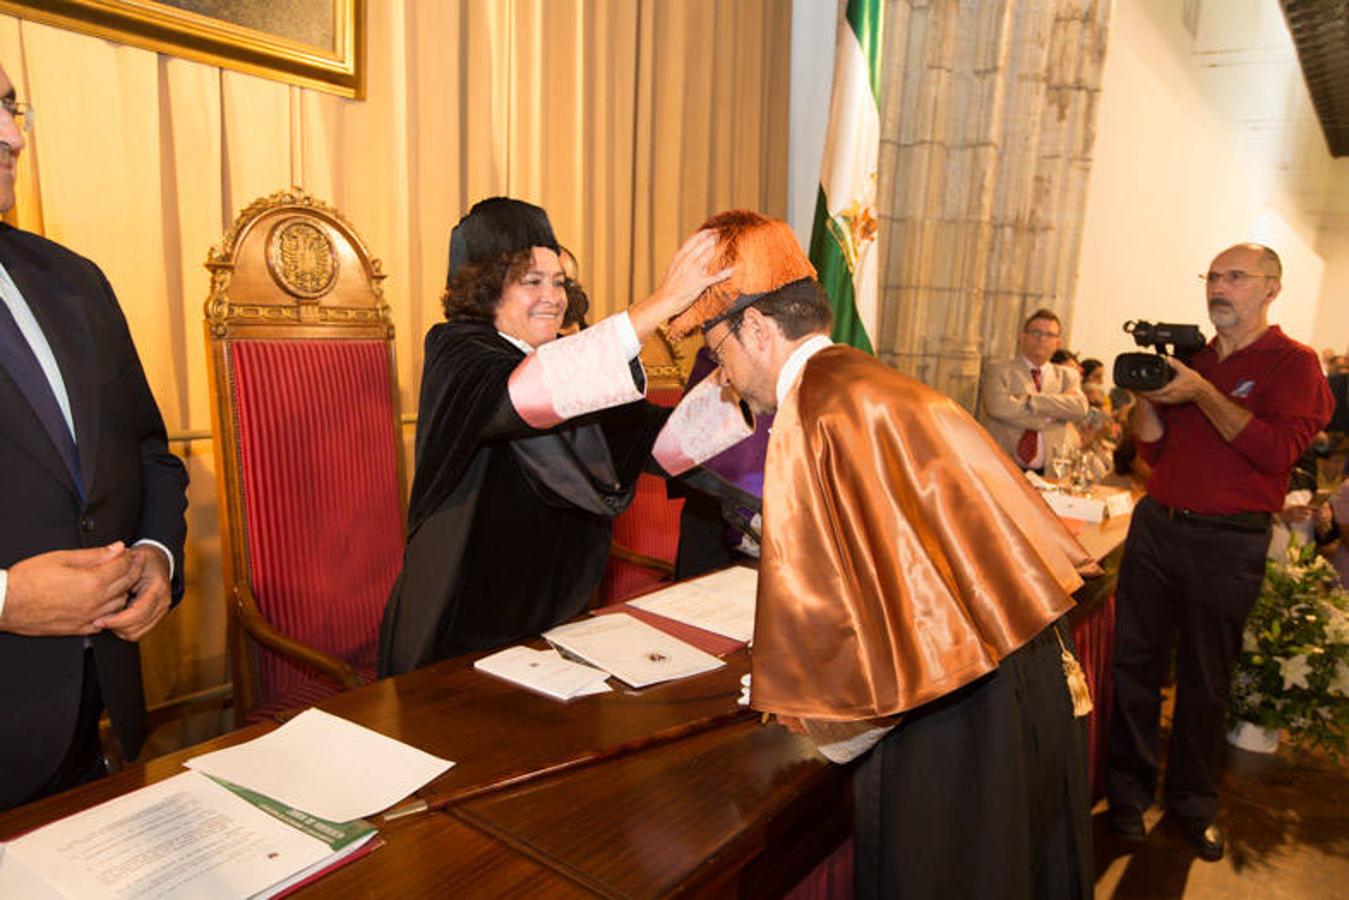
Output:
x=1041 y=334
x=21 y=113
x=715 y=352
x=1230 y=278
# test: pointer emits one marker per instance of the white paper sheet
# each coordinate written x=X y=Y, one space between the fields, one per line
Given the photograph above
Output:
x=326 y=766
x=631 y=649
x=182 y=837
x=722 y=602
x=544 y=671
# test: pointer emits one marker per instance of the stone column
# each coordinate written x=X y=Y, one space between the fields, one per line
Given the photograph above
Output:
x=988 y=121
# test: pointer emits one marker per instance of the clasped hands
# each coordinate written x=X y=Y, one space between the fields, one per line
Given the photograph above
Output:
x=116 y=588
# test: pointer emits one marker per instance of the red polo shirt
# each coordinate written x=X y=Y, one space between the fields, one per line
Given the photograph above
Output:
x=1280 y=382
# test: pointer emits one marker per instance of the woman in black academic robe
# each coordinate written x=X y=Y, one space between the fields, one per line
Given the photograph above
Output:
x=509 y=522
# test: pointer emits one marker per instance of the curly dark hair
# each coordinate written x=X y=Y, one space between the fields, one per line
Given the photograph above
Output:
x=476 y=288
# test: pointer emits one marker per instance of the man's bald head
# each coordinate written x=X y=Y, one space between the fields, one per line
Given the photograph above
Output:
x=1269 y=261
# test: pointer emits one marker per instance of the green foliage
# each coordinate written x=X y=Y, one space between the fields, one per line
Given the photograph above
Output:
x=1293 y=671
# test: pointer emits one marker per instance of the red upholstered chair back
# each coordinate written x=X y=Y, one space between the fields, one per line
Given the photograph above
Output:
x=646 y=535
x=308 y=451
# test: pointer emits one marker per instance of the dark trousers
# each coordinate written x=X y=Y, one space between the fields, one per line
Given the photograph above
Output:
x=83 y=761
x=981 y=793
x=1188 y=587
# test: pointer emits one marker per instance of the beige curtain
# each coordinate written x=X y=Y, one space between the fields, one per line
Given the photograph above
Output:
x=630 y=120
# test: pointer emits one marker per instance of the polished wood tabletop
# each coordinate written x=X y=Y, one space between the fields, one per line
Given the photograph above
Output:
x=746 y=810
x=674 y=788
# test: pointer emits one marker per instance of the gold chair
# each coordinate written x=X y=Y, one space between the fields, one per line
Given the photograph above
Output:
x=308 y=450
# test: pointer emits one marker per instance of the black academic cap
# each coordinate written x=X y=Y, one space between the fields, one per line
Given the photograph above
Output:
x=495 y=226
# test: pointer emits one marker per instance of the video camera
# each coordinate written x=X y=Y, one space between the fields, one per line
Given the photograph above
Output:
x=1148 y=371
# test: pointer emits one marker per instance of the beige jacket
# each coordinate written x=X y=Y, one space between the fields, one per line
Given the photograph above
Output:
x=1009 y=404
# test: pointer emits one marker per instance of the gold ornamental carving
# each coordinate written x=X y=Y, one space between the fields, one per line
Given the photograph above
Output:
x=301 y=258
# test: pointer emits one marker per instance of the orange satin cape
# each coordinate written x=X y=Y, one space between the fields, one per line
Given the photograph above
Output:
x=903 y=554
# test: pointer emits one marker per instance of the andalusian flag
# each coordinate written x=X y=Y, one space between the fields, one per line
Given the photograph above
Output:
x=843 y=238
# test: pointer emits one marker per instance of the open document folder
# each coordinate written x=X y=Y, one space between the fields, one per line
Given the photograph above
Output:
x=631 y=650
x=186 y=836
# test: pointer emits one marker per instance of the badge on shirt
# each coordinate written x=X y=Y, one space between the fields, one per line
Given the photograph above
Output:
x=1243 y=388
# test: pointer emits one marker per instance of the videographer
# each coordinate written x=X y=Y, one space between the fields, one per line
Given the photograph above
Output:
x=1221 y=437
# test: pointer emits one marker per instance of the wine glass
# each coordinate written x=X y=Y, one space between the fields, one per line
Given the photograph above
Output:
x=1062 y=464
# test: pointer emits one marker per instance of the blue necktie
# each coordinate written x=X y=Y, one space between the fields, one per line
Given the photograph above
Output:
x=18 y=359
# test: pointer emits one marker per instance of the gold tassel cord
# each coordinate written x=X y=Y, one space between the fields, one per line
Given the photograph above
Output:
x=1076 y=679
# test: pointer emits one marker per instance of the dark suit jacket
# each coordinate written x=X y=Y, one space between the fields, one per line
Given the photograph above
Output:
x=1339 y=386
x=133 y=488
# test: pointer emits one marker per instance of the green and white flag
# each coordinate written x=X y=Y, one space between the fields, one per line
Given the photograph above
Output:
x=843 y=238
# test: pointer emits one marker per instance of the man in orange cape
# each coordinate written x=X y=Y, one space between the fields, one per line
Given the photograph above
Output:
x=909 y=589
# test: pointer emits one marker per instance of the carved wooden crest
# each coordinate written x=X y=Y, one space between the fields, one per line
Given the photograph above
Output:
x=301 y=258
x=291 y=260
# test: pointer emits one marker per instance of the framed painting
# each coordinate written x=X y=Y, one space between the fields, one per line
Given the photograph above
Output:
x=314 y=43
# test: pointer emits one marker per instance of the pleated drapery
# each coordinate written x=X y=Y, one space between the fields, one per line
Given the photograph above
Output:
x=630 y=120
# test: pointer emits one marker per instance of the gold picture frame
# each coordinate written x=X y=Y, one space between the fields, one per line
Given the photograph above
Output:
x=322 y=45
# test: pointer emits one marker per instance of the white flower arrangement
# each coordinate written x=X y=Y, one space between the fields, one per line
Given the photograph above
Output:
x=1293 y=670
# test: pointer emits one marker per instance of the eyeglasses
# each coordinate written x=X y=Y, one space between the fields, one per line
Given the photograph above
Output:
x=1230 y=278
x=1040 y=333
x=715 y=352
x=21 y=113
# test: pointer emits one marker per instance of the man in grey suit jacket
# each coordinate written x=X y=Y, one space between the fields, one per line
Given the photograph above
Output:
x=1029 y=404
x=91 y=540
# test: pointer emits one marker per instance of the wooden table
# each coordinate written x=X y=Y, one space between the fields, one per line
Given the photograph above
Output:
x=632 y=793
x=672 y=789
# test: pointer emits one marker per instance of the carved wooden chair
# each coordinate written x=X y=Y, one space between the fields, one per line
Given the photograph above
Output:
x=308 y=451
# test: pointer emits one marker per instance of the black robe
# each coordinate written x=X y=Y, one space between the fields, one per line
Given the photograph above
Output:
x=508 y=526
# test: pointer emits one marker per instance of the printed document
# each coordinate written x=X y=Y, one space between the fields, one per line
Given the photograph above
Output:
x=186 y=836
x=325 y=765
x=722 y=602
x=631 y=650
x=544 y=671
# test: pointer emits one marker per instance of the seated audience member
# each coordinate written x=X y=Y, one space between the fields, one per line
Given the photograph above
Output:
x=1297 y=519
x=1339 y=389
x=1093 y=384
x=1029 y=404
x=1338 y=533
x=1065 y=357
x=528 y=445
x=1100 y=431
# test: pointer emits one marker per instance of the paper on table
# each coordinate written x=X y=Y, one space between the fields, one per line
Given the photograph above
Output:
x=182 y=837
x=326 y=766
x=722 y=602
x=544 y=671
x=631 y=650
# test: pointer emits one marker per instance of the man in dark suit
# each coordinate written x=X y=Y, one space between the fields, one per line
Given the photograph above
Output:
x=91 y=538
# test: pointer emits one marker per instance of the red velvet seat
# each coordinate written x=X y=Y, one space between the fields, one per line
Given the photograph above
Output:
x=308 y=452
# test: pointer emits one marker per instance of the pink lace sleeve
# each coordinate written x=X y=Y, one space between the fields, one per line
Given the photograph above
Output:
x=574 y=375
x=706 y=422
